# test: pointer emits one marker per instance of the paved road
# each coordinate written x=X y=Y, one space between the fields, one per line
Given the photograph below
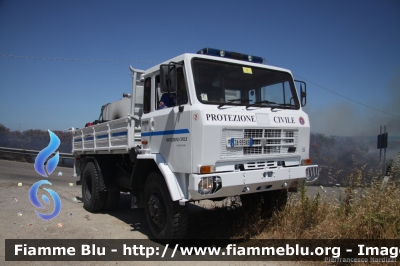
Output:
x=19 y=221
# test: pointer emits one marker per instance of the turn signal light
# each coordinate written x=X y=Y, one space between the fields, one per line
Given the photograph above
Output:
x=306 y=161
x=207 y=169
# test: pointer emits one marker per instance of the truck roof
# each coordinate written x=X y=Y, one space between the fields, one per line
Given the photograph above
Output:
x=210 y=57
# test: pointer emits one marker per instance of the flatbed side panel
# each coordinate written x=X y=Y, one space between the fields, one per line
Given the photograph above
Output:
x=115 y=136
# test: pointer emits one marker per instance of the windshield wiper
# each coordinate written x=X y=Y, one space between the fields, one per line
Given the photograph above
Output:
x=276 y=105
x=234 y=100
x=285 y=106
x=260 y=102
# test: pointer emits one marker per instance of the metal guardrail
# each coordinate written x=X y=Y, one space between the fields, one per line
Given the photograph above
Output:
x=31 y=153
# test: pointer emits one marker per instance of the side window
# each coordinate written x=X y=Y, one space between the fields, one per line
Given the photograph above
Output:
x=158 y=92
x=170 y=100
x=182 y=91
x=147 y=96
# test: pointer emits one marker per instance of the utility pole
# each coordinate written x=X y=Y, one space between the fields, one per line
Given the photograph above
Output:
x=384 y=150
x=382 y=144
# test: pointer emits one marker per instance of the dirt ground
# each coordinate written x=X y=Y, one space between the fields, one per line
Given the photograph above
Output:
x=19 y=220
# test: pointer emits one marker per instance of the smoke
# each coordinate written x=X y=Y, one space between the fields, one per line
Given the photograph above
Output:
x=393 y=123
x=350 y=119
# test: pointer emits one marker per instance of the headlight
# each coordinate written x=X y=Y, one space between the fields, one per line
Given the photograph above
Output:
x=205 y=185
x=209 y=185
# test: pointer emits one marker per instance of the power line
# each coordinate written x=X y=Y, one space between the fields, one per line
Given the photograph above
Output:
x=347 y=97
x=78 y=60
x=331 y=91
x=156 y=62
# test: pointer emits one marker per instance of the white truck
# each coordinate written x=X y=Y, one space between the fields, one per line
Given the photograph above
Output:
x=232 y=126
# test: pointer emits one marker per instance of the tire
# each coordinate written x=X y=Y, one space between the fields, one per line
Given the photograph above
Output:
x=93 y=199
x=264 y=203
x=166 y=218
x=112 y=200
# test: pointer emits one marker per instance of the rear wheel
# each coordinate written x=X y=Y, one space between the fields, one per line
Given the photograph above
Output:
x=166 y=218
x=264 y=203
x=93 y=199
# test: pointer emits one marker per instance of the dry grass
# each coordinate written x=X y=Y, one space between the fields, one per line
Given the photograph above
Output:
x=364 y=212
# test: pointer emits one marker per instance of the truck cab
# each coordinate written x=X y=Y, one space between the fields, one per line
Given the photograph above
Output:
x=211 y=125
x=236 y=124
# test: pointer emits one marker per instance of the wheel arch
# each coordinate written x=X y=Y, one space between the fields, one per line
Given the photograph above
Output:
x=106 y=182
x=145 y=165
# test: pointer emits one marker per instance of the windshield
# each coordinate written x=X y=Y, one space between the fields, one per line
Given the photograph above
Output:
x=224 y=83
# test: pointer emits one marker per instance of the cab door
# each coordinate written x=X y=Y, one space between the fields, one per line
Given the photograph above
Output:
x=168 y=125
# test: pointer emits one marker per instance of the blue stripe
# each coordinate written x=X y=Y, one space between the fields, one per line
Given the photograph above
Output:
x=119 y=134
x=166 y=132
x=105 y=136
x=112 y=135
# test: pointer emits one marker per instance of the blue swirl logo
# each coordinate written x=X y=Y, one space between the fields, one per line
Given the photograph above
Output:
x=51 y=165
x=35 y=201
x=45 y=153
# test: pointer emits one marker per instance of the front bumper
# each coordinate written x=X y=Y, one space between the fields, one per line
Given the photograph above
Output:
x=245 y=182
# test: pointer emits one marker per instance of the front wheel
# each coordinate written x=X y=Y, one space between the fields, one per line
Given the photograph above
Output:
x=166 y=218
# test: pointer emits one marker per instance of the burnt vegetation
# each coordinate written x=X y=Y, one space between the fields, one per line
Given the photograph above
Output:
x=340 y=157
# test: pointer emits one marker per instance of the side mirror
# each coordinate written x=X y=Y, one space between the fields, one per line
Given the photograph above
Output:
x=168 y=78
x=303 y=93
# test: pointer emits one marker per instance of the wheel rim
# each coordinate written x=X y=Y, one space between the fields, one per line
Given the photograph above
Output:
x=157 y=210
x=88 y=187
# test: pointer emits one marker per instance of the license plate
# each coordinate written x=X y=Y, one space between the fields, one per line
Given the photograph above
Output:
x=241 y=142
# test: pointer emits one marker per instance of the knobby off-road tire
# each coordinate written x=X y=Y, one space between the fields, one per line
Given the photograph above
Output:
x=264 y=203
x=166 y=218
x=93 y=199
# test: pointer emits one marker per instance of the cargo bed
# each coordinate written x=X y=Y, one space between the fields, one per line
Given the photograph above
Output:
x=116 y=136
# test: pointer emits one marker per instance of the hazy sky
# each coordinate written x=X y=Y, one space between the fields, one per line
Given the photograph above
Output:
x=348 y=47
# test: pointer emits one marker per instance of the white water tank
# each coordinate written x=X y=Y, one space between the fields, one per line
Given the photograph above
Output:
x=122 y=108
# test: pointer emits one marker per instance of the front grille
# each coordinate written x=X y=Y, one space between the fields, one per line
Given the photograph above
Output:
x=252 y=150
x=253 y=133
x=264 y=141
x=273 y=133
